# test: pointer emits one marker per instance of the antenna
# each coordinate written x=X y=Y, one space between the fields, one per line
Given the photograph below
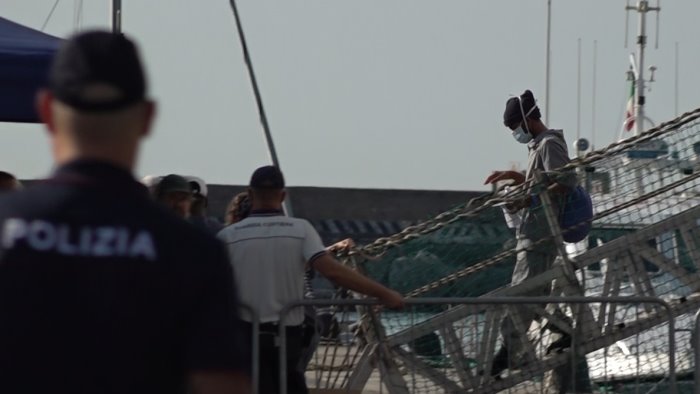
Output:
x=595 y=63
x=658 y=8
x=627 y=22
x=642 y=8
x=578 y=93
x=116 y=15
x=675 y=99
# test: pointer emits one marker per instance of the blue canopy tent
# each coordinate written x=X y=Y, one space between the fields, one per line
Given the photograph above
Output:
x=25 y=55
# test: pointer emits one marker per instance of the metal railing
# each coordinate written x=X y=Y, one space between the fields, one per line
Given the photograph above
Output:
x=696 y=351
x=606 y=339
x=255 y=347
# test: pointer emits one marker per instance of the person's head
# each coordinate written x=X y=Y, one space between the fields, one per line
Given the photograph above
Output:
x=199 y=196
x=95 y=105
x=238 y=208
x=523 y=118
x=174 y=192
x=266 y=188
x=151 y=182
x=8 y=182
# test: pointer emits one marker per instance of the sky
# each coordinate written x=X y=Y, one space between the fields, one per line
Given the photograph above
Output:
x=392 y=94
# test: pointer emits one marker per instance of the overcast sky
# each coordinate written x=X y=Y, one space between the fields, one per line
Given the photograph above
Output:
x=368 y=93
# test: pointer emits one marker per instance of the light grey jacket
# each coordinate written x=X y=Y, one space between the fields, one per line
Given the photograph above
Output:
x=547 y=152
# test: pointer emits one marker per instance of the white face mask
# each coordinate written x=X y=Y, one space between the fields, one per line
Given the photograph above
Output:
x=523 y=135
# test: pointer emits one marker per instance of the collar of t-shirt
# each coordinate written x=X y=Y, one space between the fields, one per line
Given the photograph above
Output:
x=266 y=212
x=98 y=174
x=532 y=145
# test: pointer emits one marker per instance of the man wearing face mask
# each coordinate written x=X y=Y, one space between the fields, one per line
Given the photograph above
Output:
x=547 y=151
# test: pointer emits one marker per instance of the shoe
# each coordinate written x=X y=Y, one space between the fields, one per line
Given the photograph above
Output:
x=500 y=362
x=564 y=342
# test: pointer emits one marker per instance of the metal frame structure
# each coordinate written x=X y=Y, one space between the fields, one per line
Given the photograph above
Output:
x=599 y=328
x=696 y=345
x=383 y=351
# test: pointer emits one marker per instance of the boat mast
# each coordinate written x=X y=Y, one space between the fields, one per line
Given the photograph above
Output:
x=642 y=8
x=115 y=10
x=547 y=62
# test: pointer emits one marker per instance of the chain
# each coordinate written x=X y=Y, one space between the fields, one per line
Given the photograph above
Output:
x=476 y=206
x=451 y=278
x=617 y=147
x=377 y=248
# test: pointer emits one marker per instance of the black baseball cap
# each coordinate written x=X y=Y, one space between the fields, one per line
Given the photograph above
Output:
x=97 y=60
x=516 y=107
x=512 y=114
x=267 y=177
x=173 y=183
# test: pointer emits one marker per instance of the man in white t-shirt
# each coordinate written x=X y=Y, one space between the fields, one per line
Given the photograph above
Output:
x=269 y=253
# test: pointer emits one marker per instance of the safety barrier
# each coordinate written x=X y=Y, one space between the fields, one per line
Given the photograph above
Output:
x=255 y=347
x=696 y=346
x=470 y=344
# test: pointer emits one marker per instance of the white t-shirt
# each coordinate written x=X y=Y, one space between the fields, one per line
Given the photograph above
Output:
x=269 y=253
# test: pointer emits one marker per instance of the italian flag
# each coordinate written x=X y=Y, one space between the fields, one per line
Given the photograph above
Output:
x=629 y=112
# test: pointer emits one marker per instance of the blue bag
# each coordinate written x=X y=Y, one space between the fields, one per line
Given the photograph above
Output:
x=576 y=215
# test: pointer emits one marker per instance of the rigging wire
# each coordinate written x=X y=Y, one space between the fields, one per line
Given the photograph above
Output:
x=78 y=15
x=48 y=17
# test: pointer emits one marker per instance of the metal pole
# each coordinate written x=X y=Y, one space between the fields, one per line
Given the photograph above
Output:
x=595 y=64
x=675 y=100
x=255 y=342
x=116 y=15
x=641 y=43
x=696 y=351
x=282 y=342
x=258 y=100
x=548 y=62
x=578 y=93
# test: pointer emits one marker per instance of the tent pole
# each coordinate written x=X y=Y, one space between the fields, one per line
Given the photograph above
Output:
x=258 y=100
x=116 y=15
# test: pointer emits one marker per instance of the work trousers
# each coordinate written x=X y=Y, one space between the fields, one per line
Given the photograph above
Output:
x=310 y=338
x=531 y=261
x=269 y=381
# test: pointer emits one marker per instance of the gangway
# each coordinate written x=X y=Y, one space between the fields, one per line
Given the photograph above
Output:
x=645 y=242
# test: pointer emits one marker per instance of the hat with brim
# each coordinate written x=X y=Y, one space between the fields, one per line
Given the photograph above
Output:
x=174 y=183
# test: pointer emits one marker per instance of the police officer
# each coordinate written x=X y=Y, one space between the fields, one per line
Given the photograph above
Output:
x=102 y=290
x=269 y=253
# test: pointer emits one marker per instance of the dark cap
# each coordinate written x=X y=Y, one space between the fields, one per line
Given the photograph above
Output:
x=173 y=183
x=97 y=71
x=513 y=113
x=267 y=177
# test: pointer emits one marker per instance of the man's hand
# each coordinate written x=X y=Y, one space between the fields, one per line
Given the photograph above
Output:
x=496 y=176
x=392 y=299
x=342 y=246
x=348 y=278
